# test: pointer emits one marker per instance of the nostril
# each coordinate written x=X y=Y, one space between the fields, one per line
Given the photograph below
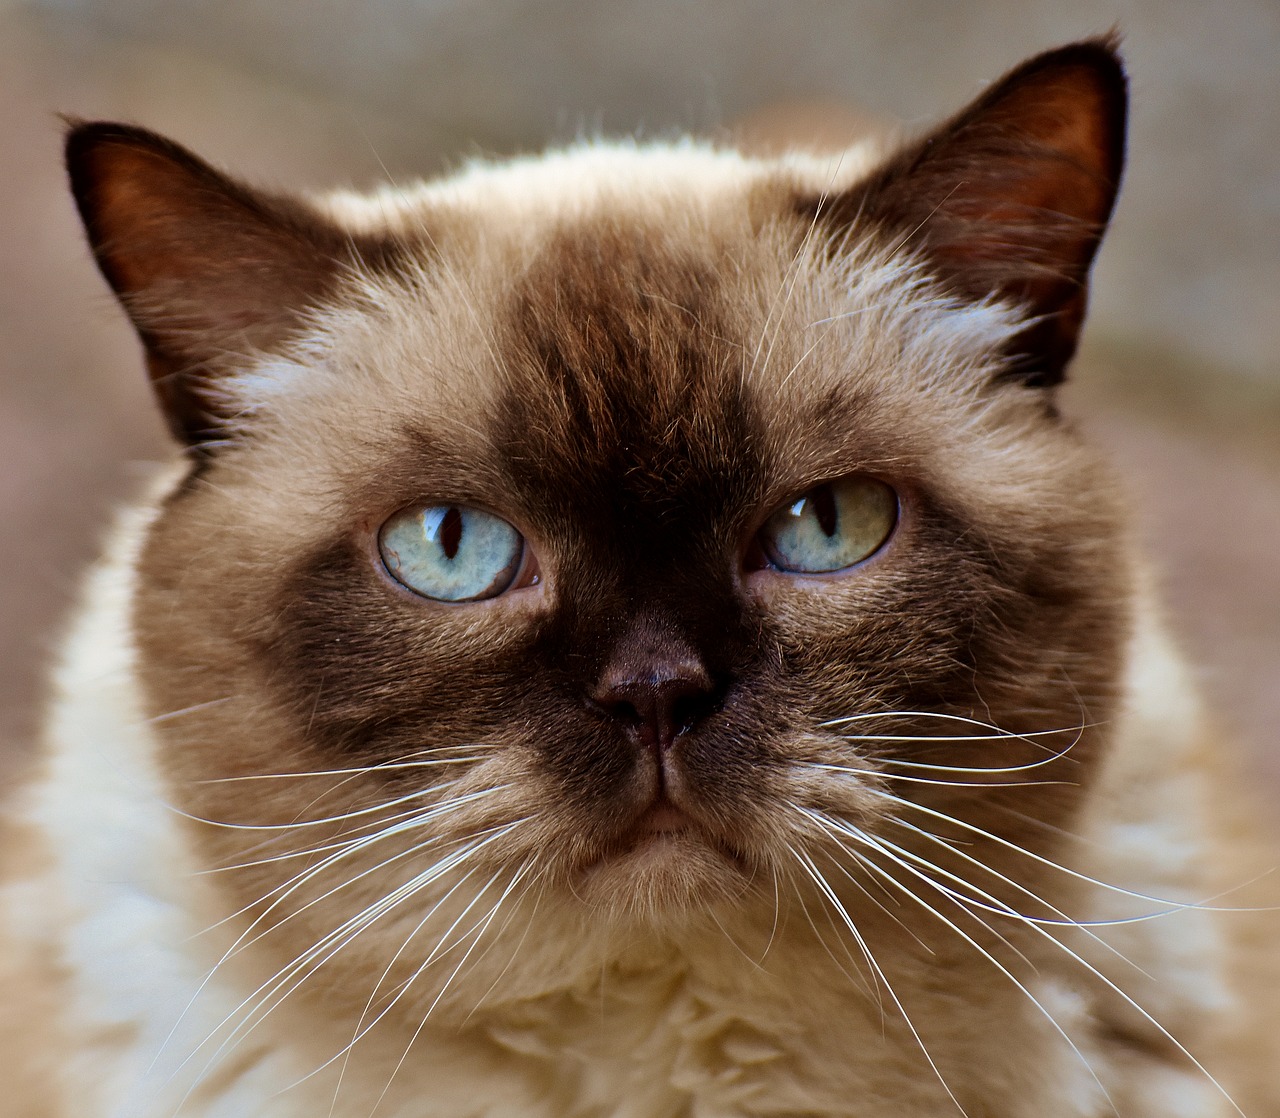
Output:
x=688 y=710
x=622 y=711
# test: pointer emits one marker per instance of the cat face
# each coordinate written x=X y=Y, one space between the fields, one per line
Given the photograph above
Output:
x=768 y=526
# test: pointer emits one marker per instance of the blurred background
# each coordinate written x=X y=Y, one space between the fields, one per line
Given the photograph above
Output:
x=1180 y=376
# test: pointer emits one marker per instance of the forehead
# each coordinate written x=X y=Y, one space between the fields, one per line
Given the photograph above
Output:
x=627 y=364
x=678 y=333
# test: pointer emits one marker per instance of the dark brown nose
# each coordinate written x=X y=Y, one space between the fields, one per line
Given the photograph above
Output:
x=657 y=700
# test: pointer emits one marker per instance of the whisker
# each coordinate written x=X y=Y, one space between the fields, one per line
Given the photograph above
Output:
x=875 y=773
x=1013 y=846
x=443 y=989
x=1063 y=921
x=1138 y=1008
x=874 y=844
x=825 y=888
x=529 y=923
x=777 y=915
x=866 y=892
x=418 y=794
x=352 y=836
x=171 y=714
x=942 y=716
x=786 y=287
x=364 y=1024
x=246 y=938
x=837 y=827
x=300 y=880
x=1036 y=927
x=271 y=994
x=996 y=732
x=845 y=315
x=406 y=823
x=383 y=766
x=868 y=986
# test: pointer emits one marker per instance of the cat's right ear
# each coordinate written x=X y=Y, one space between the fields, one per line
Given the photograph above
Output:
x=208 y=269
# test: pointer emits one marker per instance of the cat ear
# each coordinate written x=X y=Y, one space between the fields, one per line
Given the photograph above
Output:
x=1010 y=198
x=206 y=268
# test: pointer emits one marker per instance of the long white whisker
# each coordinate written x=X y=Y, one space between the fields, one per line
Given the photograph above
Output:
x=929 y=780
x=272 y=993
x=364 y=1024
x=977 y=770
x=348 y=838
x=786 y=287
x=866 y=892
x=417 y=794
x=246 y=937
x=443 y=989
x=777 y=915
x=354 y=837
x=943 y=716
x=533 y=913
x=871 y=988
x=1062 y=920
x=285 y=889
x=406 y=823
x=942 y=816
x=874 y=844
x=1133 y=1004
x=837 y=827
x=831 y=896
x=400 y=828
x=1036 y=927
x=996 y=733
x=381 y=767
x=171 y=714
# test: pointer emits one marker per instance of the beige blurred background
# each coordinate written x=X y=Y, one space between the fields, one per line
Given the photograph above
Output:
x=1180 y=376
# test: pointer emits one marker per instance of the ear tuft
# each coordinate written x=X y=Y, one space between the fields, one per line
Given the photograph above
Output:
x=207 y=268
x=1010 y=198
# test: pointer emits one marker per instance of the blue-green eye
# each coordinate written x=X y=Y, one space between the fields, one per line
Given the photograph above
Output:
x=451 y=553
x=831 y=527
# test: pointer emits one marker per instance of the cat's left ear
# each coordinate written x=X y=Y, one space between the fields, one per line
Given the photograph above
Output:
x=1011 y=197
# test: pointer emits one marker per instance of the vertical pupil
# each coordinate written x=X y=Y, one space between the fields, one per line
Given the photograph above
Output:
x=824 y=508
x=451 y=532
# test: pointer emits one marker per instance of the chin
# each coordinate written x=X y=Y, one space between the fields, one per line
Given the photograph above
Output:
x=664 y=877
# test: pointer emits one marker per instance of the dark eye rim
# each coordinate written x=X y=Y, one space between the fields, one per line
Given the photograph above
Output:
x=528 y=574
x=755 y=557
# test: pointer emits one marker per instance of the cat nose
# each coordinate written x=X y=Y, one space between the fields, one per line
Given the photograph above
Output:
x=658 y=701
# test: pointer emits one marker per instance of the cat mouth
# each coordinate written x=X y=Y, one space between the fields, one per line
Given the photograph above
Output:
x=661 y=824
x=662 y=817
x=664 y=829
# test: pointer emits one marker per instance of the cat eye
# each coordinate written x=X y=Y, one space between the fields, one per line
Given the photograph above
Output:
x=452 y=553
x=833 y=526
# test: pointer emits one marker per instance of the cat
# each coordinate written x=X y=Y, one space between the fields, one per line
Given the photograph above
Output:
x=630 y=633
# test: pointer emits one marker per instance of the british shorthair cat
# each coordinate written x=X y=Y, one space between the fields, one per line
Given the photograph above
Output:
x=629 y=633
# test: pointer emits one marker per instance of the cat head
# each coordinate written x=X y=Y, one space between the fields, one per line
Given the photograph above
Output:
x=649 y=523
